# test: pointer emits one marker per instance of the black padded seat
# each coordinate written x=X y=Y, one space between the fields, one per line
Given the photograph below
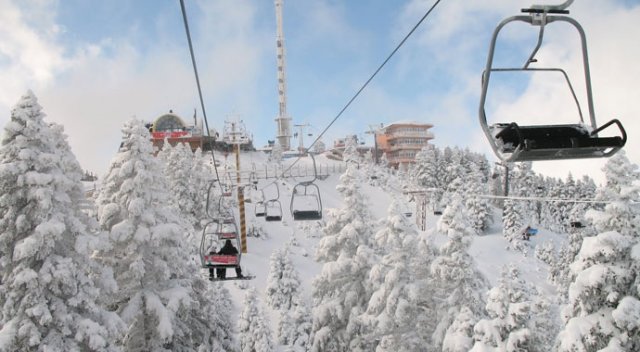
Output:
x=306 y=215
x=273 y=218
x=553 y=142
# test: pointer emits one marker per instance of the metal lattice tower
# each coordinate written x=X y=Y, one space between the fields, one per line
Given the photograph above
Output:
x=283 y=120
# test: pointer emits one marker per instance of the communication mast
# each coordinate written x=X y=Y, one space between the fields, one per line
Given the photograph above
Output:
x=283 y=120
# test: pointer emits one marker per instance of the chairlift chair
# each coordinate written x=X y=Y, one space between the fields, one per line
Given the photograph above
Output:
x=513 y=142
x=260 y=209
x=227 y=190
x=306 y=203
x=212 y=259
x=273 y=208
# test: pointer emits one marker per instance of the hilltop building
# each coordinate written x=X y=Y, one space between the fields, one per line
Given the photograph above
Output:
x=401 y=141
x=173 y=129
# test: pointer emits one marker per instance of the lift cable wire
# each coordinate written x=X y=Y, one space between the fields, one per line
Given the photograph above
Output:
x=547 y=199
x=365 y=84
x=537 y=199
x=195 y=71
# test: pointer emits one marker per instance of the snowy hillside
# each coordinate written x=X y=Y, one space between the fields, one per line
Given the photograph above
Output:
x=120 y=271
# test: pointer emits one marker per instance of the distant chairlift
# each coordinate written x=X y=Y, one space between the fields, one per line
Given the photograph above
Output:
x=273 y=208
x=260 y=206
x=306 y=203
x=512 y=142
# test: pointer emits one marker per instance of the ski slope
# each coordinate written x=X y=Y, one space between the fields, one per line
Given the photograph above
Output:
x=489 y=250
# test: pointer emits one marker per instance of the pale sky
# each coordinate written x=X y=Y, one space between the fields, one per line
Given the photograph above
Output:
x=95 y=64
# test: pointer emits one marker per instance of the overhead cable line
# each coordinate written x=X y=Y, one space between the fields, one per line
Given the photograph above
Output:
x=195 y=71
x=367 y=82
x=538 y=199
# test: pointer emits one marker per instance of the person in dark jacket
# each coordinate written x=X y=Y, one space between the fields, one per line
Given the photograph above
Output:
x=228 y=249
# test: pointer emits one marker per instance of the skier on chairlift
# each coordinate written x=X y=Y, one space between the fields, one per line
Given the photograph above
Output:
x=228 y=249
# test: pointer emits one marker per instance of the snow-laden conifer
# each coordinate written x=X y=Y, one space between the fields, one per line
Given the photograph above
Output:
x=604 y=302
x=294 y=329
x=602 y=279
x=523 y=184
x=425 y=171
x=512 y=225
x=455 y=278
x=253 y=326
x=458 y=337
x=200 y=177
x=341 y=290
x=393 y=319
x=283 y=283
x=178 y=168
x=150 y=256
x=477 y=207
x=622 y=190
x=509 y=309
x=350 y=153
x=47 y=292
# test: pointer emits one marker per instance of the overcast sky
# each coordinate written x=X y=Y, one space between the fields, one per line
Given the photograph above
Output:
x=95 y=64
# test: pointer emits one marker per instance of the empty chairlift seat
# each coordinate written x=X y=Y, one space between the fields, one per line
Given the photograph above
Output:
x=513 y=142
x=550 y=142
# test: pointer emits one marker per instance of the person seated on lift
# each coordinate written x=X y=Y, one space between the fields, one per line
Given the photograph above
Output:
x=212 y=250
x=228 y=249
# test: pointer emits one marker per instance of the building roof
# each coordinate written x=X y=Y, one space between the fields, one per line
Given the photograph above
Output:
x=408 y=122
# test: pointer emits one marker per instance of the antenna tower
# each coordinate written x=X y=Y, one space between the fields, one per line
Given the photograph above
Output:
x=283 y=120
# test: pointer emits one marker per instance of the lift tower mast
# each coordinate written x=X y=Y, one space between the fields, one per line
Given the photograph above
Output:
x=283 y=120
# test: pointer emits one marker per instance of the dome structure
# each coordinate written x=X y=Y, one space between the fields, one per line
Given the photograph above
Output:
x=168 y=123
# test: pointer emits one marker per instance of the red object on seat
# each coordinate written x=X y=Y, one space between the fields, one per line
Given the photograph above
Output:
x=222 y=259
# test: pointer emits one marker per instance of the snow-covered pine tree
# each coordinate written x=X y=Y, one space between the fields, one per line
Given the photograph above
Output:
x=393 y=319
x=294 y=329
x=620 y=191
x=425 y=171
x=454 y=276
x=319 y=147
x=458 y=337
x=253 y=326
x=151 y=259
x=201 y=176
x=509 y=308
x=604 y=301
x=548 y=209
x=178 y=172
x=453 y=167
x=283 y=283
x=478 y=208
x=496 y=185
x=209 y=319
x=455 y=188
x=47 y=292
x=597 y=316
x=512 y=227
x=350 y=153
x=384 y=160
x=524 y=185
x=341 y=290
